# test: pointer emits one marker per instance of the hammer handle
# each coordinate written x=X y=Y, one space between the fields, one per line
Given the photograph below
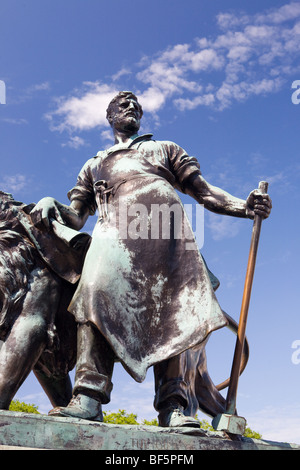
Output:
x=237 y=359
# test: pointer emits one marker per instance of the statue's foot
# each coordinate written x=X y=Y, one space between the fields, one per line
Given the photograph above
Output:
x=81 y=406
x=172 y=416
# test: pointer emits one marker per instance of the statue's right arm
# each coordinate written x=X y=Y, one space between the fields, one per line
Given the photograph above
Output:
x=74 y=215
x=219 y=201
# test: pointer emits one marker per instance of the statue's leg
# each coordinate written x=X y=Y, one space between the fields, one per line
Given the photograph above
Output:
x=209 y=399
x=185 y=379
x=57 y=389
x=172 y=392
x=53 y=366
x=28 y=336
x=95 y=362
x=94 y=368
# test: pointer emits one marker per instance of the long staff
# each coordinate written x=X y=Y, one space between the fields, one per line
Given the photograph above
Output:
x=236 y=365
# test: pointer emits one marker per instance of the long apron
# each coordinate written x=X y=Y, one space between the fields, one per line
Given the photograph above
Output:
x=144 y=283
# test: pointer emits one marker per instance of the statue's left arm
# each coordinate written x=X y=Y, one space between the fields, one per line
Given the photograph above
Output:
x=219 y=201
x=74 y=215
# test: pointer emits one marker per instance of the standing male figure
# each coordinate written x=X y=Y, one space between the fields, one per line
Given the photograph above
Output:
x=142 y=299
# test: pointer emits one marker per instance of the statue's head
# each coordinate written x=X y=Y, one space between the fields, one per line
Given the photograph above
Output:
x=124 y=112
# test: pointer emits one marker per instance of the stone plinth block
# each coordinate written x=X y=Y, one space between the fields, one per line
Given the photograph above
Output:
x=33 y=431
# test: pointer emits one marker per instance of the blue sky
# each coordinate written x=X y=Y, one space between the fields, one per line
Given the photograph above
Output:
x=215 y=77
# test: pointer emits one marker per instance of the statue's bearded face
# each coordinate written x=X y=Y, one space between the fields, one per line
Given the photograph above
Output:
x=125 y=115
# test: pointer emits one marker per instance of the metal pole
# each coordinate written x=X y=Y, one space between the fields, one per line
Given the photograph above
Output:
x=236 y=365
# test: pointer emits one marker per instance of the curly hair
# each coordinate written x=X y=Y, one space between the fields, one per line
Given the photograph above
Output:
x=17 y=260
x=122 y=94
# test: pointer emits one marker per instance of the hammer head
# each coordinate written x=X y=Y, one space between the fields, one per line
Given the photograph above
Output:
x=229 y=423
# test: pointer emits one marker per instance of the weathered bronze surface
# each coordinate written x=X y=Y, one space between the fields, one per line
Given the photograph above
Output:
x=241 y=334
x=230 y=421
x=31 y=431
x=38 y=332
x=145 y=296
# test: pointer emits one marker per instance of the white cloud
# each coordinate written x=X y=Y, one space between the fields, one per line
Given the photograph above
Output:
x=229 y=92
x=206 y=59
x=107 y=135
x=202 y=100
x=28 y=93
x=277 y=424
x=13 y=183
x=121 y=73
x=281 y=178
x=252 y=55
x=74 y=142
x=284 y=13
x=152 y=99
x=39 y=87
x=16 y=121
x=240 y=62
x=85 y=110
x=229 y=20
x=223 y=227
x=167 y=75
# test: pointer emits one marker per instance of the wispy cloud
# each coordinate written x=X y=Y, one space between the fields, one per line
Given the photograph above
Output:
x=121 y=73
x=13 y=183
x=250 y=55
x=74 y=142
x=44 y=86
x=27 y=93
x=15 y=121
x=280 y=424
x=223 y=227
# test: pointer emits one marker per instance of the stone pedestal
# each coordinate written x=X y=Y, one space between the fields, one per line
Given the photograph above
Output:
x=32 y=431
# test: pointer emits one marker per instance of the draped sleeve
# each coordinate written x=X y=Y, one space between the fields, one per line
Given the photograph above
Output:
x=182 y=165
x=84 y=189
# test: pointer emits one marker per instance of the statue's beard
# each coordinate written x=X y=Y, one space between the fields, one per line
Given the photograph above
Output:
x=131 y=125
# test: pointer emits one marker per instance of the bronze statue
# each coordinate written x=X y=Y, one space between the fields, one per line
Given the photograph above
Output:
x=143 y=298
x=37 y=331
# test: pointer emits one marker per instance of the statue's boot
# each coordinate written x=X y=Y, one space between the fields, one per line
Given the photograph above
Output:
x=171 y=415
x=81 y=406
